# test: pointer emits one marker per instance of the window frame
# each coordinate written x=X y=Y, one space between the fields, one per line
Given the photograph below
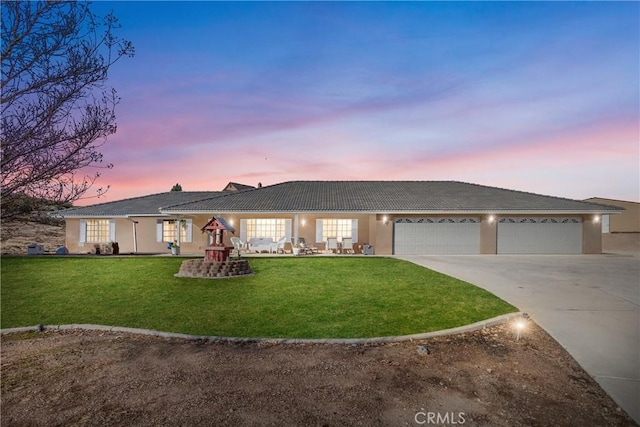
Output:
x=344 y=228
x=169 y=231
x=97 y=230
x=165 y=229
x=250 y=228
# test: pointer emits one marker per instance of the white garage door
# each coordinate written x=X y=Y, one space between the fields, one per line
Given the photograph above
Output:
x=540 y=236
x=415 y=236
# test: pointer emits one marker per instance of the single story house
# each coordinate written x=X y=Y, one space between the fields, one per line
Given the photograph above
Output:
x=627 y=222
x=394 y=217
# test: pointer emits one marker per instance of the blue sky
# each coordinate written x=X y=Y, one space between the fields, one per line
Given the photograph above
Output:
x=533 y=96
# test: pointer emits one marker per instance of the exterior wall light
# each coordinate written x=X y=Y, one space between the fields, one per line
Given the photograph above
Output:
x=303 y=222
x=385 y=220
x=596 y=219
x=492 y=219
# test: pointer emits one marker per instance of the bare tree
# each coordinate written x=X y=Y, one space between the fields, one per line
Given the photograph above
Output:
x=56 y=108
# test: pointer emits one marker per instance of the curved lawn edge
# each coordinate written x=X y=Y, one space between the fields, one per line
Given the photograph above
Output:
x=452 y=331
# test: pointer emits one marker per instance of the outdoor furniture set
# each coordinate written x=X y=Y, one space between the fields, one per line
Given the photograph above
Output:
x=262 y=244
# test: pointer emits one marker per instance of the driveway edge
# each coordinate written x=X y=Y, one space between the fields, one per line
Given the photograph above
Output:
x=150 y=332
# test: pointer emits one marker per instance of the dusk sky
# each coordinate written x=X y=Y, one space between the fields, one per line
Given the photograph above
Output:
x=540 y=97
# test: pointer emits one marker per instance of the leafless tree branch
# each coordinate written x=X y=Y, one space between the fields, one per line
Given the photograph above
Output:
x=56 y=108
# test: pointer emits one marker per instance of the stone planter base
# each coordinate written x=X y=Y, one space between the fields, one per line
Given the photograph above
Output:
x=213 y=269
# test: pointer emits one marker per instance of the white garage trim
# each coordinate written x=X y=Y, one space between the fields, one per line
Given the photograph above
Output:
x=540 y=235
x=444 y=235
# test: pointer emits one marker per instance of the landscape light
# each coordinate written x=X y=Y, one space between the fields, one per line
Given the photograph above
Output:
x=519 y=325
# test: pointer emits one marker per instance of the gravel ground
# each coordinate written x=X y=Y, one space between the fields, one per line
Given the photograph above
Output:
x=66 y=378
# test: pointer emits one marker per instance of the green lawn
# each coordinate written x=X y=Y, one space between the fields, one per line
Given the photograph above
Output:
x=308 y=297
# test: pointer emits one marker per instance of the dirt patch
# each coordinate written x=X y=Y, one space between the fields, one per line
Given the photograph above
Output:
x=476 y=379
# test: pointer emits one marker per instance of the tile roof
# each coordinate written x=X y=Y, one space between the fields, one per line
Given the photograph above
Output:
x=385 y=197
x=600 y=200
x=144 y=205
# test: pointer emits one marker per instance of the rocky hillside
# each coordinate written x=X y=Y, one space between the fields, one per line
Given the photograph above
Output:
x=17 y=235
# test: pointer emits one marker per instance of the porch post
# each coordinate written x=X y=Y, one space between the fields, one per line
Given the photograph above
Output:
x=295 y=228
x=178 y=225
x=135 y=236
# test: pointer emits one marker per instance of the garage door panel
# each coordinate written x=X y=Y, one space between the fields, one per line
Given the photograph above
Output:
x=443 y=236
x=540 y=236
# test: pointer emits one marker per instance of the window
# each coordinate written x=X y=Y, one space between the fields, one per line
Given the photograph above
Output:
x=166 y=230
x=340 y=228
x=267 y=228
x=169 y=231
x=98 y=230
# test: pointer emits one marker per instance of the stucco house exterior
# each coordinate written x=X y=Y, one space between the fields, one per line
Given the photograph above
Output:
x=393 y=217
x=627 y=222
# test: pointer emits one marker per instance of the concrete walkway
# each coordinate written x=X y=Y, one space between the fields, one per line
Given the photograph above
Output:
x=589 y=303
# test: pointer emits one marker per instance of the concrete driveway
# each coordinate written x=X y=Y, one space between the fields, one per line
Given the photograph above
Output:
x=589 y=303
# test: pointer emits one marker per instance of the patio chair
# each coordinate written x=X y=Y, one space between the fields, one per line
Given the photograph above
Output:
x=347 y=245
x=306 y=248
x=332 y=244
x=238 y=244
x=279 y=245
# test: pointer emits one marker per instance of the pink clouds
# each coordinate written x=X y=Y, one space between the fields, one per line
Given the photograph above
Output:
x=330 y=153
x=541 y=164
